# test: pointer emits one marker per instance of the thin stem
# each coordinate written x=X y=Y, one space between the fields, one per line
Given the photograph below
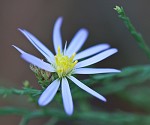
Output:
x=117 y=118
x=52 y=121
x=136 y=35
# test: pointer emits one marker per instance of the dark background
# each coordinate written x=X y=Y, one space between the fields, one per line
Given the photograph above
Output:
x=38 y=16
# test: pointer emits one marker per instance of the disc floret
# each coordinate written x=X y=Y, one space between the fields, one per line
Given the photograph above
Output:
x=64 y=65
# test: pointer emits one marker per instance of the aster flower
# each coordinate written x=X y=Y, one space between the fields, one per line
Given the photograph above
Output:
x=66 y=63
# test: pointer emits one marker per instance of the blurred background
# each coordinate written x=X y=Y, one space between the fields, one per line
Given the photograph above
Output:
x=39 y=16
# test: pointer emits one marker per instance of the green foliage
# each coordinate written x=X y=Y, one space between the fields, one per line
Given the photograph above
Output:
x=117 y=84
x=115 y=118
x=25 y=91
x=128 y=77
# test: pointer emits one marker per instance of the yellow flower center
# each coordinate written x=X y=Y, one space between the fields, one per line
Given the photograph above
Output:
x=64 y=64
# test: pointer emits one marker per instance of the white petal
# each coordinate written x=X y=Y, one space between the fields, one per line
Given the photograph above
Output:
x=87 y=89
x=38 y=45
x=95 y=70
x=96 y=58
x=49 y=93
x=91 y=51
x=77 y=42
x=37 y=62
x=57 y=39
x=66 y=96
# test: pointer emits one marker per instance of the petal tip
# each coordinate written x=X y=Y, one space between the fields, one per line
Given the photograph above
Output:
x=118 y=71
x=14 y=46
x=115 y=50
x=84 y=30
x=106 y=44
x=60 y=18
x=40 y=103
x=104 y=100
x=69 y=113
x=21 y=30
x=21 y=51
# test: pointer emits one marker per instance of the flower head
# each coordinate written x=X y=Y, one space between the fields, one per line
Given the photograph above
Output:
x=65 y=63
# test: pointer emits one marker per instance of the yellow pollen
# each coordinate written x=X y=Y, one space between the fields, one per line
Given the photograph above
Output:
x=64 y=64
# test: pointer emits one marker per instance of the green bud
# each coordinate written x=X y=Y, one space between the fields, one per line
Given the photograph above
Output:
x=118 y=9
x=26 y=84
x=44 y=77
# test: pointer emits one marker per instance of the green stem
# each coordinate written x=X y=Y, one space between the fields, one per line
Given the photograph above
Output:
x=136 y=35
x=52 y=121
x=115 y=118
x=24 y=91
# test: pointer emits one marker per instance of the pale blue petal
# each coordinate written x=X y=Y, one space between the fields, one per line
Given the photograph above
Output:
x=34 y=60
x=57 y=39
x=20 y=50
x=49 y=93
x=37 y=62
x=96 y=58
x=77 y=42
x=91 y=51
x=66 y=96
x=87 y=89
x=95 y=70
x=38 y=45
x=65 y=48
